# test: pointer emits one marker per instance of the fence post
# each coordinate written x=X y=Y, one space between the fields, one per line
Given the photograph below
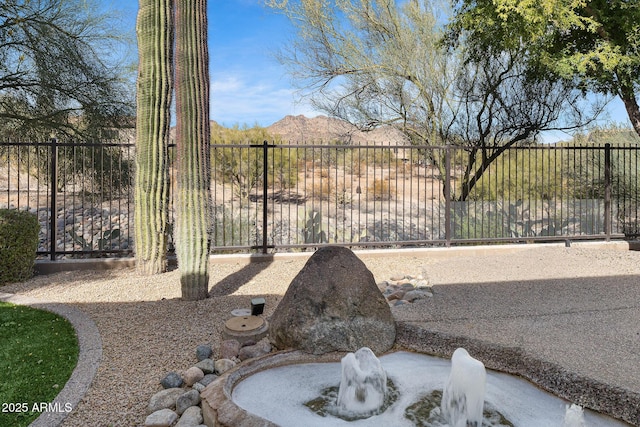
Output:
x=54 y=188
x=265 y=187
x=447 y=195
x=607 y=191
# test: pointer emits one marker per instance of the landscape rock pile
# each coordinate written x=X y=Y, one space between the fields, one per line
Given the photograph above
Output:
x=402 y=289
x=178 y=402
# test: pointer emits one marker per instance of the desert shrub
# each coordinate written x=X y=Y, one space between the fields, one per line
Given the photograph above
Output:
x=380 y=189
x=238 y=159
x=18 y=245
x=322 y=188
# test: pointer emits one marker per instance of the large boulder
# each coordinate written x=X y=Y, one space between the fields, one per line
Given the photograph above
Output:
x=333 y=304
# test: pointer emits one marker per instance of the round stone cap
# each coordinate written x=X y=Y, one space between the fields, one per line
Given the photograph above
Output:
x=244 y=323
x=245 y=328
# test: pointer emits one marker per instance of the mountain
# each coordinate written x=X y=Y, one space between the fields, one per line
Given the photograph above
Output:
x=322 y=129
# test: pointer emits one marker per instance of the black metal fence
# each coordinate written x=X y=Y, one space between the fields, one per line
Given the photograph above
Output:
x=270 y=197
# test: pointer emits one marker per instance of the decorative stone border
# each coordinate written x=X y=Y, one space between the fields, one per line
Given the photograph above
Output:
x=604 y=398
x=90 y=354
x=219 y=410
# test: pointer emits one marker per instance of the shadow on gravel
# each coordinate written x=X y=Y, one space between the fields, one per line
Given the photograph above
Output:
x=234 y=281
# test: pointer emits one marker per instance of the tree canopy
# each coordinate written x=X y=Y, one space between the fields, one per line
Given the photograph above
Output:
x=58 y=70
x=595 y=43
x=376 y=62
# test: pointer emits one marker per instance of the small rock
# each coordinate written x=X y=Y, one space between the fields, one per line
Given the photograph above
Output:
x=229 y=349
x=399 y=294
x=207 y=366
x=223 y=365
x=198 y=387
x=188 y=399
x=203 y=351
x=208 y=379
x=407 y=286
x=161 y=418
x=192 y=417
x=193 y=375
x=171 y=380
x=260 y=349
x=165 y=399
x=412 y=296
x=397 y=277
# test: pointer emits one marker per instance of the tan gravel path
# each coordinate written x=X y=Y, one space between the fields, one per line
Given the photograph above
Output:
x=147 y=330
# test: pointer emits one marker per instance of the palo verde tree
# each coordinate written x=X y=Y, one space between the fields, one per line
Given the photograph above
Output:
x=593 y=43
x=58 y=74
x=193 y=198
x=154 y=92
x=382 y=62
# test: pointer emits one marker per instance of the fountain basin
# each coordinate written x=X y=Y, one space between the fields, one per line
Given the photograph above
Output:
x=269 y=391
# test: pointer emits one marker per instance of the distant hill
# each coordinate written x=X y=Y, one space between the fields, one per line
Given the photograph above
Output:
x=322 y=129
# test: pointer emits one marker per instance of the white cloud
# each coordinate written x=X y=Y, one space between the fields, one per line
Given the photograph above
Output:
x=238 y=99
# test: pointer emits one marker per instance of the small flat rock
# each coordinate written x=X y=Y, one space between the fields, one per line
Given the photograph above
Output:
x=412 y=296
x=397 y=277
x=161 y=418
x=187 y=400
x=399 y=294
x=203 y=351
x=192 y=417
x=193 y=375
x=165 y=399
x=171 y=380
x=207 y=366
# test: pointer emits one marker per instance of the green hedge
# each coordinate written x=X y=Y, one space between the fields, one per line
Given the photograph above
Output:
x=18 y=245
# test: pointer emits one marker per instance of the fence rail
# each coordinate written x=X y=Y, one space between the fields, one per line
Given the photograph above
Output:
x=297 y=197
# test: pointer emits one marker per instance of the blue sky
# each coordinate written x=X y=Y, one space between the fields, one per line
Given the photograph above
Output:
x=248 y=86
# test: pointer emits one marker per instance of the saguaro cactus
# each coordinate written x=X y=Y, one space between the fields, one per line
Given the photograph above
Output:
x=154 y=30
x=192 y=202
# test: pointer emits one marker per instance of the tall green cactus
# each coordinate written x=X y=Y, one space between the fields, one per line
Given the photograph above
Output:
x=154 y=30
x=193 y=202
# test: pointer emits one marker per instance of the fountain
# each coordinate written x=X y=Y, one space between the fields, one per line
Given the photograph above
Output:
x=363 y=386
x=325 y=315
x=287 y=390
x=463 y=395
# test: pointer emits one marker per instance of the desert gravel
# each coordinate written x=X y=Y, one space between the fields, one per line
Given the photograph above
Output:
x=147 y=330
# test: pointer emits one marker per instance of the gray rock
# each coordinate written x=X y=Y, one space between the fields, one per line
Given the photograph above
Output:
x=260 y=349
x=208 y=379
x=161 y=418
x=223 y=365
x=192 y=376
x=192 y=417
x=198 y=387
x=171 y=380
x=412 y=296
x=399 y=294
x=203 y=351
x=229 y=349
x=207 y=366
x=333 y=304
x=165 y=399
x=188 y=399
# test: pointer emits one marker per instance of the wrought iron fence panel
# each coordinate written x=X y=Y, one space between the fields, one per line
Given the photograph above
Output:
x=300 y=196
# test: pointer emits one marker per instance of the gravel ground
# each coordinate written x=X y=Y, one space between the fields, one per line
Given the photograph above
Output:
x=147 y=330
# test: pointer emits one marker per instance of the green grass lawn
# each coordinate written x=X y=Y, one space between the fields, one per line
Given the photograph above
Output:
x=38 y=352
